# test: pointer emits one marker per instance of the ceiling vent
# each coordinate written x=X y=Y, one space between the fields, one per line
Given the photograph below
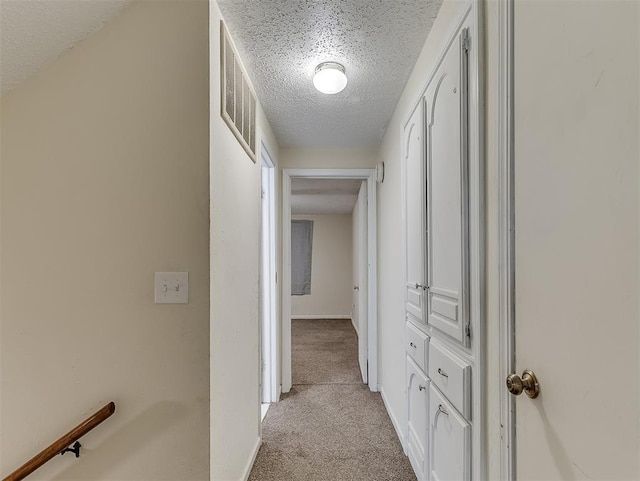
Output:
x=238 y=102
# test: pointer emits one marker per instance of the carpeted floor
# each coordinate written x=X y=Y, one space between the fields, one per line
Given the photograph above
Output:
x=329 y=427
x=324 y=352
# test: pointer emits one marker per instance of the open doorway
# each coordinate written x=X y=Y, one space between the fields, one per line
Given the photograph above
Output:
x=324 y=343
x=268 y=330
x=365 y=290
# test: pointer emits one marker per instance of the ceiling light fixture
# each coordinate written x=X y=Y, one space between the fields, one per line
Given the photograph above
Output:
x=330 y=78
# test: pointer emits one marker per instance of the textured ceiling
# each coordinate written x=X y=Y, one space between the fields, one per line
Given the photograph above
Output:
x=323 y=196
x=36 y=32
x=281 y=42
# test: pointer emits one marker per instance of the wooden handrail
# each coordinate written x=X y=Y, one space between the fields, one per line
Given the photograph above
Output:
x=56 y=448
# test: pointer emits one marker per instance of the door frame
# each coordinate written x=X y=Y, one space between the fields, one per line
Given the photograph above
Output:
x=268 y=328
x=506 y=236
x=369 y=176
x=359 y=274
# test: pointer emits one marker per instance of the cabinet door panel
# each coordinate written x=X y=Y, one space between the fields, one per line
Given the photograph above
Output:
x=450 y=441
x=417 y=411
x=415 y=213
x=447 y=193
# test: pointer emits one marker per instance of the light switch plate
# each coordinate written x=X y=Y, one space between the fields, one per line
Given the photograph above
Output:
x=172 y=288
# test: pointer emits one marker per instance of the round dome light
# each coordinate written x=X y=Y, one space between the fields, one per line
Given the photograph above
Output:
x=330 y=78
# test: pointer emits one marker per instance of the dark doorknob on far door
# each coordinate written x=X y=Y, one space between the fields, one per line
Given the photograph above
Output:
x=356 y=288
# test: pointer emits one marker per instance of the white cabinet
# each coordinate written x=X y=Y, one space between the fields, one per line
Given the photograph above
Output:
x=417 y=410
x=436 y=200
x=417 y=345
x=452 y=376
x=414 y=209
x=450 y=441
x=442 y=177
x=447 y=193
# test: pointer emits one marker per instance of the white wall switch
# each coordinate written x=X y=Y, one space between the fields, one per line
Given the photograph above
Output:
x=172 y=288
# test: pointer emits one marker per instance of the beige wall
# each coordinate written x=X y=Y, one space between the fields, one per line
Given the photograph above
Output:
x=235 y=249
x=331 y=269
x=391 y=351
x=104 y=181
x=328 y=158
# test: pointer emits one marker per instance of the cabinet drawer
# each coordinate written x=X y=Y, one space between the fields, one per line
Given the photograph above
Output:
x=417 y=345
x=452 y=375
x=417 y=410
x=450 y=441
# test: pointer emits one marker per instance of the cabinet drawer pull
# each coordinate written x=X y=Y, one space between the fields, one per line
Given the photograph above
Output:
x=413 y=345
x=442 y=373
x=421 y=387
x=438 y=412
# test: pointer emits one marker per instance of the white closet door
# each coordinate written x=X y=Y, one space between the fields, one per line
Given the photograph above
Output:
x=450 y=441
x=417 y=418
x=447 y=193
x=415 y=213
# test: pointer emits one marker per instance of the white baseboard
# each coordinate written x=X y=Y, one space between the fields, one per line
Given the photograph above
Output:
x=394 y=421
x=320 y=316
x=247 y=469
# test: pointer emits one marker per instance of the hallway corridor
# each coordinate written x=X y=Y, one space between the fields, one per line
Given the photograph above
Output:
x=329 y=427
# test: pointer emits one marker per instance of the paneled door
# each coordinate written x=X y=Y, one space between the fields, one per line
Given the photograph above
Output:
x=576 y=188
x=414 y=172
x=360 y=286
x=447 y=193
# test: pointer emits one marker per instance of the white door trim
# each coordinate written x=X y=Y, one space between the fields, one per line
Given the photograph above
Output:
x=360 y=279
x=506 y=234
x=269 y=338
x=368 y=175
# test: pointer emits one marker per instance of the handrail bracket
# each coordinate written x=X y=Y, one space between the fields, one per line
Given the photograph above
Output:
x=75 y=449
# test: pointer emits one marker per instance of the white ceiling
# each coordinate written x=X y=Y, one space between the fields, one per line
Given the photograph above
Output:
x=36 y=32
x=324 y=196
x=281 y=42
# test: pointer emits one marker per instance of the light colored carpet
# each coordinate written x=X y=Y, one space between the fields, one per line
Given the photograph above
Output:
x=324 y=352
x=329 y=427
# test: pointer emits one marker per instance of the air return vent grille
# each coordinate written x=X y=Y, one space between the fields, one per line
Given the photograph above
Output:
x=238 y=102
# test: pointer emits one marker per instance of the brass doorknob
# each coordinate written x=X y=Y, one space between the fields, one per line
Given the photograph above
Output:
x=529 y=384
